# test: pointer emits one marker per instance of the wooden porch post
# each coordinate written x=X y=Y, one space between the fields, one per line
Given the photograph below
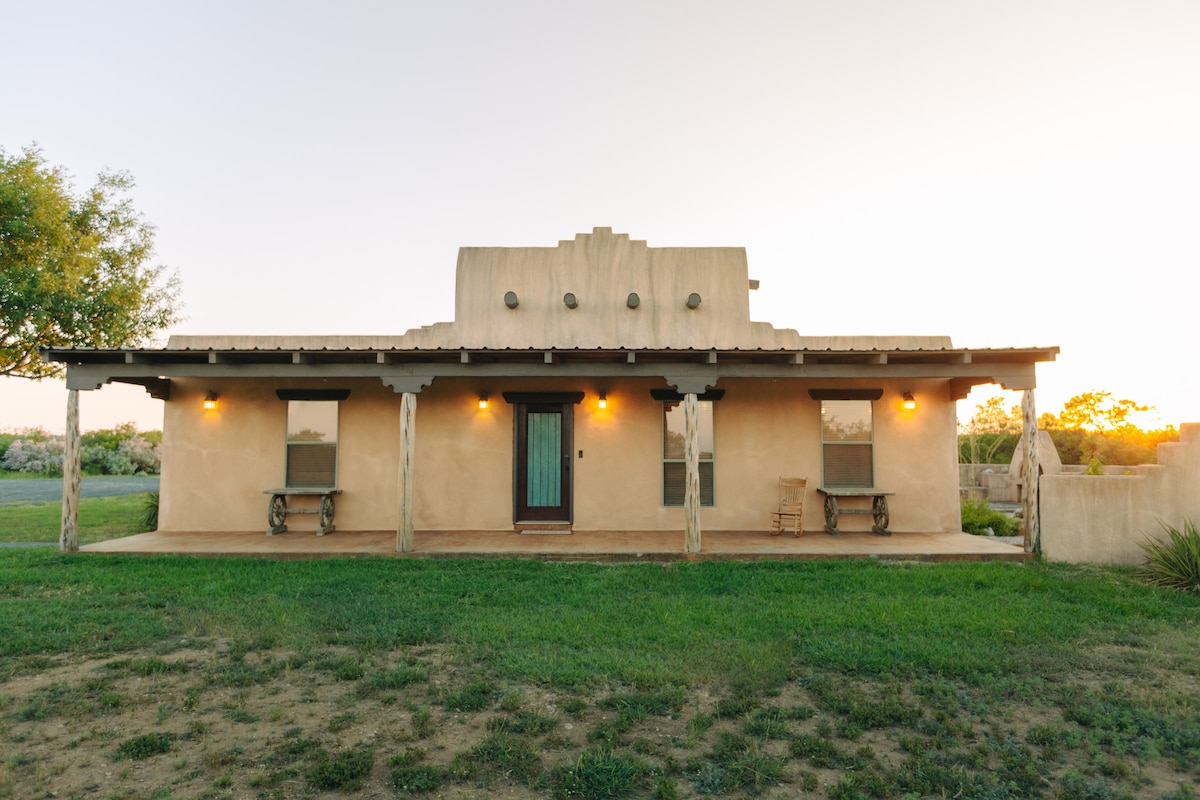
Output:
x=68 y=537
x=691 y=455
x=408 y=434
x=407 y=386
x=1030 y=472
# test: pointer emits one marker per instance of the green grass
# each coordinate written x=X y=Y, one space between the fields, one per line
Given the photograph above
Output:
x=805 y=666
x=100 y=518
x=747 y=626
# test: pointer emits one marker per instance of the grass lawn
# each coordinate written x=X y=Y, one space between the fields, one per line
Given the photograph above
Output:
x=100 y=518
x=189 y=677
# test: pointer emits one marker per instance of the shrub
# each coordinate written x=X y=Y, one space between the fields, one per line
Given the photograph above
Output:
x=102 y=461
x=35 y=456
x=345 y=770
x=978 y=516
x=142 y=453
x=120 y=451
x=150 y=511
x=597 y=773
x=410 y=776
x=141 y=747
x=1174 y=563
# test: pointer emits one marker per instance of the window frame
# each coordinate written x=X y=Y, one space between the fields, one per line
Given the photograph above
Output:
x=288 y=444
x=664 y=404
x=868 y=443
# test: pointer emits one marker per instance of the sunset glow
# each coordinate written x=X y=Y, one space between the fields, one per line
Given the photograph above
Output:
x=1017 y=174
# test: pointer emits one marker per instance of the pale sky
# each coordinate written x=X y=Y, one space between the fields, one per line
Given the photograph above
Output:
x=1010 y=174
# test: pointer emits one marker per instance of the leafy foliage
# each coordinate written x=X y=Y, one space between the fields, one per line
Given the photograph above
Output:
x=1175 y=562
x=142 y=747
x=1128 y=446
x=117 y=451
x=991 y=435
x=1094 y=411
x=978 y=516
x=1091 y=426
x=74 y=268
x=150 y=511
x=35 y=456
x=987 y=448
x=345 y=770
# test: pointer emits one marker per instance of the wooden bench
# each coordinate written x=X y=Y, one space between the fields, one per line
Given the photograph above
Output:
x=878 y=509
x=277 y=508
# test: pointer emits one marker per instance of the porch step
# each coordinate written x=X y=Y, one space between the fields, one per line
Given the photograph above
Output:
x=543 y=527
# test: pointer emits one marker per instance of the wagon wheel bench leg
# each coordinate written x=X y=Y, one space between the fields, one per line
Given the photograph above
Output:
x=831 y=515
x=879 y=511
x=325 y=515
x=277 y=514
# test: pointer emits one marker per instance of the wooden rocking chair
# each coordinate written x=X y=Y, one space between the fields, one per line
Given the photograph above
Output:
x=791 y=507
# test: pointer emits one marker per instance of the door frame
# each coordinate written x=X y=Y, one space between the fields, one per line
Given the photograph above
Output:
x=559 y=402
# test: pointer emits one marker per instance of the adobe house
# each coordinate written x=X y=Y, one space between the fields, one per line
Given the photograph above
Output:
x=600 y=384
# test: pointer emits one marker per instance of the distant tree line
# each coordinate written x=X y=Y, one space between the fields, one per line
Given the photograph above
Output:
x=122 y=450
x=1092 y=429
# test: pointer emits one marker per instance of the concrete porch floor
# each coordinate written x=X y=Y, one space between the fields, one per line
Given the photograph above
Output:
x=603 y=546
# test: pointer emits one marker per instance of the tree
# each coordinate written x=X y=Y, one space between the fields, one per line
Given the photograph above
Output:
x=990 y=417
x=1094 y=428
x=74 y=269
x=991 y=435
x=1096 y=411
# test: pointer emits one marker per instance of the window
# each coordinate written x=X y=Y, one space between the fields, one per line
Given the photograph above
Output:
x=847 y=444
x=674 y=465
x=312 y=429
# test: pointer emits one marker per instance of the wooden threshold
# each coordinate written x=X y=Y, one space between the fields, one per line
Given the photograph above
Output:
x=542 y=527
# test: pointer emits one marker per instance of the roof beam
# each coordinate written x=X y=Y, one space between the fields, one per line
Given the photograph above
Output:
x=1012 y=375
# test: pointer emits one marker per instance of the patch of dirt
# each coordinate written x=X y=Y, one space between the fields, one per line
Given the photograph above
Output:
x=219 y=720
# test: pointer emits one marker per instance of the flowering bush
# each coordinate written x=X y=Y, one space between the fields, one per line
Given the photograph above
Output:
x=142 y=453
x=42 y=457
x=120 y=451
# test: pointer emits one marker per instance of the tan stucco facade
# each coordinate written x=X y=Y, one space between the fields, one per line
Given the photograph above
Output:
x=218 y=464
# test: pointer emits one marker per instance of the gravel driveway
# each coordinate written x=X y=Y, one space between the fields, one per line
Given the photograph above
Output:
x=48 y=490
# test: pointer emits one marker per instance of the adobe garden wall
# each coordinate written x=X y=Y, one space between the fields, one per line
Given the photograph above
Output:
x=1103 y=518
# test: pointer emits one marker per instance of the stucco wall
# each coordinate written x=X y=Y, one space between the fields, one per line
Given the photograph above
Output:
x=216 y=464
x=1102 y=518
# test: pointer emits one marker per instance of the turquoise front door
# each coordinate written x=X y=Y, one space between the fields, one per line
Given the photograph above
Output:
x=543 y=462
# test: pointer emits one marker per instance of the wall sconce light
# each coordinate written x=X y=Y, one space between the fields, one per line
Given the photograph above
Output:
x=909 y=403
x=603 y=400
x=483 y=401
x=210 y=401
